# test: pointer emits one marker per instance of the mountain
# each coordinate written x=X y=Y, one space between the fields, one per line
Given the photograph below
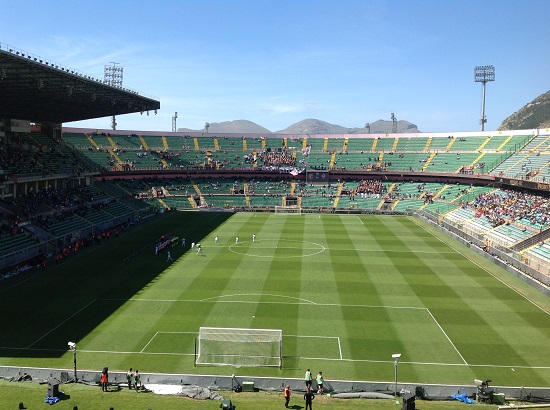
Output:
x=237 y=126
x=309 y=126
x=385 y=127
x=536 y=114
x=312 y=126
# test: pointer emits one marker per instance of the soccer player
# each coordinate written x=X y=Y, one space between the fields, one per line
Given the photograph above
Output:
x=199 y=249
x=308 y=378
x=192 y=245
x=217 y=240
x=130 y=378
x=253 y=237
x=236 y=240
x=137 y=380
x=169 y=257
x=320 y=381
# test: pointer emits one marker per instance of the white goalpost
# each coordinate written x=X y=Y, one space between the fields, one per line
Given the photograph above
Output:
x=288 y=210
x=218 y=346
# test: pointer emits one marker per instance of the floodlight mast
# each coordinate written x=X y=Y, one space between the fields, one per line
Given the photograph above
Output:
x=112 y=75
x=174 y=118
x=483 y=74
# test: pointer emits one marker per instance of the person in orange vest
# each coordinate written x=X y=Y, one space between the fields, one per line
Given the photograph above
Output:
x=104 y=379
x=288 y=393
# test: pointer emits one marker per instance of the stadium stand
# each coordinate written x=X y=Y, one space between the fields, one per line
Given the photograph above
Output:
x=74 y=181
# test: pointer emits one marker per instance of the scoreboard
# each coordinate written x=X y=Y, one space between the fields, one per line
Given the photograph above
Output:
x=317 y=176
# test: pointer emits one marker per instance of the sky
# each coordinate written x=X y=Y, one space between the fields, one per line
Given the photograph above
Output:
x=278 y=62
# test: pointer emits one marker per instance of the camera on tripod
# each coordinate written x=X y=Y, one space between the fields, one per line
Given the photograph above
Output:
x=484 y=393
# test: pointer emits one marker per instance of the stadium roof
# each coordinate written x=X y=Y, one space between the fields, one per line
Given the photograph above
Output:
x=35 y=89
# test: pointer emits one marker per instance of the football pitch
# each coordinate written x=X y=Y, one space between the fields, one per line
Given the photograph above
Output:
x=346 y=291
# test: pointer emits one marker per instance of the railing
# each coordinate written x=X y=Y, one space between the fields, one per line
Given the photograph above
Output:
x=54 y=243
x=536 y=273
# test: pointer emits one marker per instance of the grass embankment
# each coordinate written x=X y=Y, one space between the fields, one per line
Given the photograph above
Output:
x=92 y=398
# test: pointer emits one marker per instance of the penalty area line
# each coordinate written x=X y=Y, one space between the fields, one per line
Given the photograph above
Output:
x=482 y=268
x=448 y=338
x=150 y=340
x=61 y=324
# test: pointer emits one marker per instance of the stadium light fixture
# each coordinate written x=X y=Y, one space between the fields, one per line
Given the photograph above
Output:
x=483 y=74
x=174 y=119
x=395 y=357
x=72 y=346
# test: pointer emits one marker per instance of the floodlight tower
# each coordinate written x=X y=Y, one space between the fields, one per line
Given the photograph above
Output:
x=483 y=74
x=393 y=123
x=367 y=126
x=112 y=75
x=174 y=118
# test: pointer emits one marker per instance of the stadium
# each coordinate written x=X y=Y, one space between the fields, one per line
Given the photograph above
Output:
x=394 y=263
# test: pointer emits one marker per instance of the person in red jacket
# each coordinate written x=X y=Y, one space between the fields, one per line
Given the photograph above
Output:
x=104 y=378
x=288 y=393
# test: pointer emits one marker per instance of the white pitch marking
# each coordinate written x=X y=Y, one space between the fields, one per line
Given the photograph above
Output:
x=296 y=357
x=150 y=340
x=62 y=323
x=256 y=294
x=340 y=348
x=267 y=303
x=482 y=268
x=448 y=338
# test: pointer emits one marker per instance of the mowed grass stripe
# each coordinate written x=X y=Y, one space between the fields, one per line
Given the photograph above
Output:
x=500 y=305
x=486 y=345
x=150 y=297
x=418 y=331
x=283 y=277
x=137 y=324
x=240 y=278
x=364 y=324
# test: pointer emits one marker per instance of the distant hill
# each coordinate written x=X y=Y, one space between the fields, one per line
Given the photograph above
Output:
x=309 y=126
x=385 y=127
x=536 y=114
x=237 y=126
x=312 y=126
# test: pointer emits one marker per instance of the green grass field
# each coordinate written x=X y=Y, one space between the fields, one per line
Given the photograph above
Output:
x=347 y=291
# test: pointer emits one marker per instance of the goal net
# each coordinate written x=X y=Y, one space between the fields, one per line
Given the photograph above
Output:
x=288 y=210
x=220 y=346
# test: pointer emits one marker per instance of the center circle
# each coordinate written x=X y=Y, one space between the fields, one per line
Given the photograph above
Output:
x=277 y=248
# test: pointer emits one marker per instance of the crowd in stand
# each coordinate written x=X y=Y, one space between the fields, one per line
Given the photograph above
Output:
x=507 y=206
x=278 y=158
x=370 y=188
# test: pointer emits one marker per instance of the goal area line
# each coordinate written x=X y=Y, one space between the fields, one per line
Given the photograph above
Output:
x=336 y=346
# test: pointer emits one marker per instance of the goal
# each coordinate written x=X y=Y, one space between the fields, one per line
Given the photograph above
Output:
x=288 y=210
x=218 y=346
